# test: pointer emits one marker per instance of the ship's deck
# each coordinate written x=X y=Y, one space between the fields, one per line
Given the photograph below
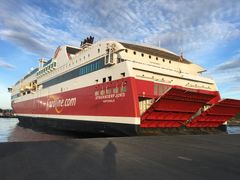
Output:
x=159 y=157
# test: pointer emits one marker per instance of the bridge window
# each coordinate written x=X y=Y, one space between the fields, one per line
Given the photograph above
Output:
x=109 y=78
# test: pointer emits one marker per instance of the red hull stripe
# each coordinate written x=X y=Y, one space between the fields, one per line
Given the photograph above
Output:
x=113 y=99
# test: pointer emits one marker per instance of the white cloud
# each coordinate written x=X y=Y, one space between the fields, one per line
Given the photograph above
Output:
x=190 y=25
x=195 y=26
x=227 y=76
x=229 y=65
x=4 y=64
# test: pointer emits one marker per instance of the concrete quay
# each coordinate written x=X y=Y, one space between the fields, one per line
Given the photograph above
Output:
x=145 y=157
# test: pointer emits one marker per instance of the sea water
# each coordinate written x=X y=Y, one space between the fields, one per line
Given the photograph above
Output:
x=10 y=131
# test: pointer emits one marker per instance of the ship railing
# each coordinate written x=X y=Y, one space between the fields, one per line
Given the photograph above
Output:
x=173 y=70
x=152 y=65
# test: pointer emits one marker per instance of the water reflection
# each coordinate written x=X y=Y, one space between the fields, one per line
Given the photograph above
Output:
x=15 y=132
x=6 y=128
x=10 y=131
x=25 y=134
x=109 y=160
x=233 y=129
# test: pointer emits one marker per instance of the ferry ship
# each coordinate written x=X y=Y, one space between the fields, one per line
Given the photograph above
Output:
x=119 y=87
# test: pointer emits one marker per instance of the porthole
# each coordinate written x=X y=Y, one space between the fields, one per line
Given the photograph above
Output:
x=149 y=56
x=134 y=52
x=156 y=58
x=126 y=50
x=170 y=61
x=142 y=55
x=163 y=60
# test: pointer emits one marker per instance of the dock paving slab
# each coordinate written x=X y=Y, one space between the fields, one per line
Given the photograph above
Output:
x=145 y=157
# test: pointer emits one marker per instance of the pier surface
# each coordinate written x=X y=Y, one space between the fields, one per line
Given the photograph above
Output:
x=159 y=157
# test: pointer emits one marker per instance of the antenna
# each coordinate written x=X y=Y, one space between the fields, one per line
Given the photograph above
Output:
x=180 y=58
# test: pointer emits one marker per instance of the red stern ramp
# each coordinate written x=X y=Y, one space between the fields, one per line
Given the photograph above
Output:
x=174 y=108
x=217 y=114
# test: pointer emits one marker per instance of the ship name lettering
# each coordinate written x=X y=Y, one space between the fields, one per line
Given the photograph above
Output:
x=120 y=95
x=110 y=96
x=70 y=102
x=61 y=103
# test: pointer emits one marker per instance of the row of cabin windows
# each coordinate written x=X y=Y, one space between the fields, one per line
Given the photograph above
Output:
x=24 y=93
x=94 y=66
x=108 y=91
x=91 y=67
x=31 y=73
x=47 y=68
x=134 y=52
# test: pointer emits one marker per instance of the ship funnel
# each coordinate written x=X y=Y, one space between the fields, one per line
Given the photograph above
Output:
x=87 y=42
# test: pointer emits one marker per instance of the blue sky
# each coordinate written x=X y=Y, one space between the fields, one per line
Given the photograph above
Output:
x=208 y=32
